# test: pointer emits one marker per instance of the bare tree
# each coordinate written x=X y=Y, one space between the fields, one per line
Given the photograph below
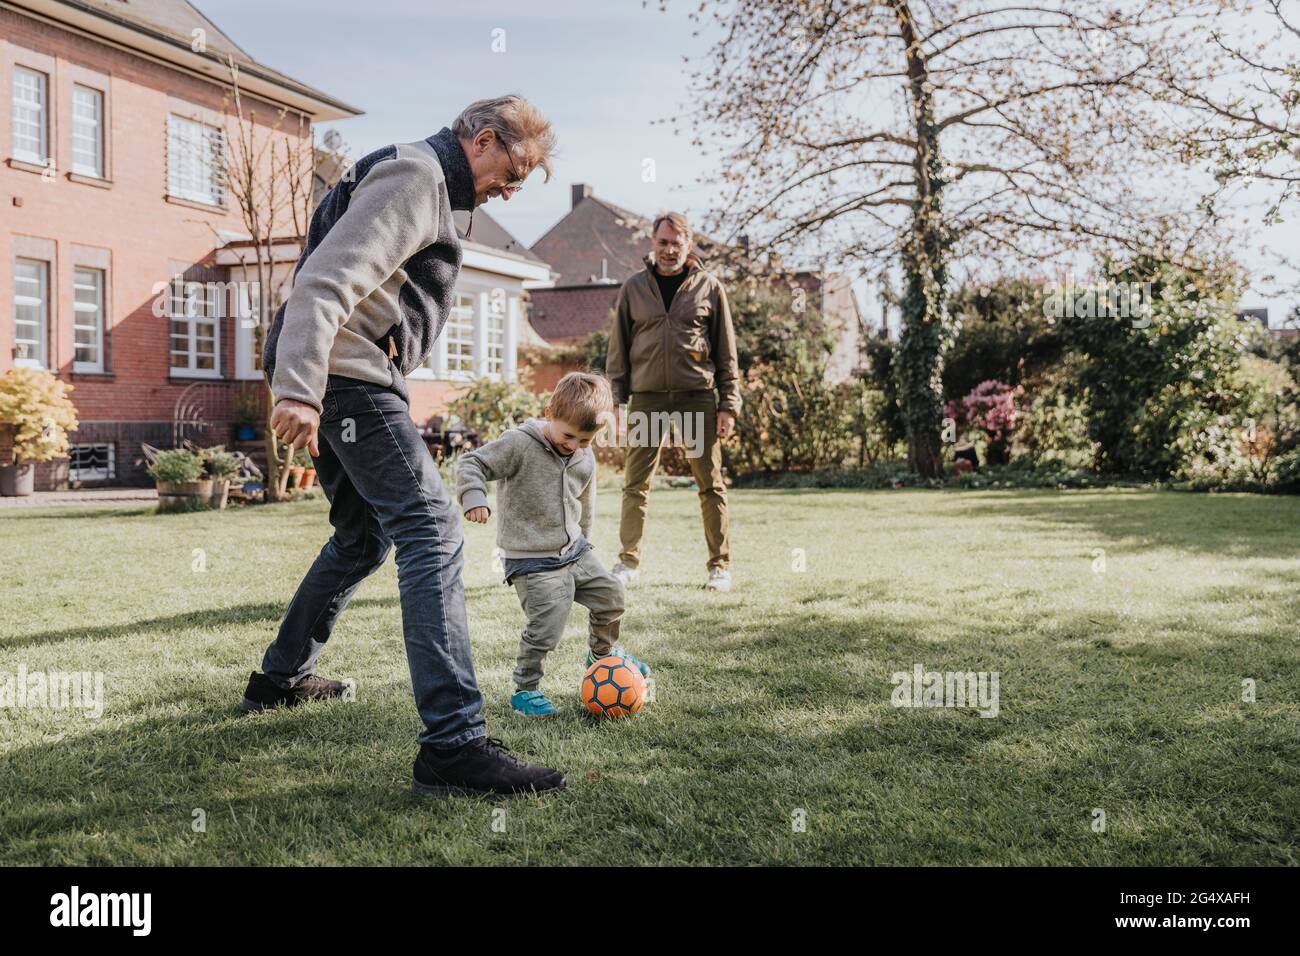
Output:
x=927 y=135
x=270 y=170
x=1246 y=127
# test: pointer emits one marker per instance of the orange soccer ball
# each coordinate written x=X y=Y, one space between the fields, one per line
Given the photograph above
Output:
x=613 y=688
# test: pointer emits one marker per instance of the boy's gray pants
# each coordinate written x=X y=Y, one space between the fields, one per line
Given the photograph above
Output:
x=548 y=596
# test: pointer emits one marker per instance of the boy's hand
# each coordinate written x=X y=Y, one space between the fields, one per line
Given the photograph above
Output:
x=478 y=515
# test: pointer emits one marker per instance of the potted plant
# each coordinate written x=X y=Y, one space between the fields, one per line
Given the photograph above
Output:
x=300 y=462
x=248 y=414
x=221 y=466
x=181 y=487
x=36 y=406
x=308 y=479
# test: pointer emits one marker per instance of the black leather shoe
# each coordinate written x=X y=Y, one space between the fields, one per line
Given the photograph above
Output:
x=263 y=694
x=482 y=767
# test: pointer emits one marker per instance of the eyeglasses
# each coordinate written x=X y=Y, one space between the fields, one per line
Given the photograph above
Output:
x=516 y=182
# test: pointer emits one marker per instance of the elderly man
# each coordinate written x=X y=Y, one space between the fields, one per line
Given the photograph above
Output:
x=672 y=345
x=371 y=293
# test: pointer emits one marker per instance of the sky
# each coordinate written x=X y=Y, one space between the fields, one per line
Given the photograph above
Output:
x=602 y=71
x=607 y=73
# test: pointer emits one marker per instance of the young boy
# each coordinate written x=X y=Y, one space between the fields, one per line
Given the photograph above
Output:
x=547 y=499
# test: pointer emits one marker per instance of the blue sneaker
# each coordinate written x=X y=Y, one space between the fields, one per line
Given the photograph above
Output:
x=640 y=665
x=532 y=703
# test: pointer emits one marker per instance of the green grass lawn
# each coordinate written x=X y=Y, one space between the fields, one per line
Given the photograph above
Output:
x=1119 y=691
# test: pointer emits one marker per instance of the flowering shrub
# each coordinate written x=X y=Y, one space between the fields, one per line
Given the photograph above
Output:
x=989 y=408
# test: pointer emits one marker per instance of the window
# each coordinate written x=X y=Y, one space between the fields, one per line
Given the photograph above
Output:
x=195 y=309
x=460 y=336
x=247 y=296
x=88 y=320
x=496 y=333
x=195 y=161
x=31 y=311
x=30 y=137
x=88 y=131
x=92 y=462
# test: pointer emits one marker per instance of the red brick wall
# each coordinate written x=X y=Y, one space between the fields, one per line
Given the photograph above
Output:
x=141 y=231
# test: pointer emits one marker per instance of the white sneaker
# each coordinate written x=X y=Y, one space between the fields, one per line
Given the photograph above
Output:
x=719 y=580
x=624 y=573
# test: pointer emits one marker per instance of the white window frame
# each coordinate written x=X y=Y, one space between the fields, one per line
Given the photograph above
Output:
x=189 y=311
x=460 y=331
x=249 y=294
x=20 y=110
x=42 y=303
x=96 y=324
x=95 y=133
x=107 y=473
x=496 y=318
x=196 y=161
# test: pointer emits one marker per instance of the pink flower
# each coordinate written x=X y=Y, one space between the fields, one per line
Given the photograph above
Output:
x=991 y=407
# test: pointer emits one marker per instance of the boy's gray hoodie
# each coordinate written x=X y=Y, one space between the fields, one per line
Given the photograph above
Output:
x=544 y=501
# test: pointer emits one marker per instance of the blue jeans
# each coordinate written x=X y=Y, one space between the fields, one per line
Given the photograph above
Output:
x=383 y=491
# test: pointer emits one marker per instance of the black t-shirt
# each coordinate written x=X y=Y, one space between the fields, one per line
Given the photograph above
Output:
x=668 y=285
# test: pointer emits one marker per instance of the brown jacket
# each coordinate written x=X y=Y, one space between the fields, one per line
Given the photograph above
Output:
x=689 y=346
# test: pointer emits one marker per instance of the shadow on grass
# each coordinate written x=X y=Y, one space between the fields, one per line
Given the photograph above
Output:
x=1233 y=526
x=243 y=614
x=51 y=512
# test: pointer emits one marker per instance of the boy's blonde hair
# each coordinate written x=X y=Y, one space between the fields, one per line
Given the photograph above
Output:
x=582 y=399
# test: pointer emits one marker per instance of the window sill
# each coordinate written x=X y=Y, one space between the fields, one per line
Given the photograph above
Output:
x=88 y=180
x=29 y=167
x=177 y=378
x=92 y=376
x=195 y=204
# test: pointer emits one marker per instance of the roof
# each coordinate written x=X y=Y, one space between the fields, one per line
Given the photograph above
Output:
x=571 y=313
x=167 y=29
x=595 y=238
x=488 y=232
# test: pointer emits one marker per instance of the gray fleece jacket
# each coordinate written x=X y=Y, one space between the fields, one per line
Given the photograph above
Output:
x=544 y=502
x=374 y=284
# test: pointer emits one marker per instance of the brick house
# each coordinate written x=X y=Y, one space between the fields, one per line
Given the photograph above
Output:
x=114 y=120
x=597 y=245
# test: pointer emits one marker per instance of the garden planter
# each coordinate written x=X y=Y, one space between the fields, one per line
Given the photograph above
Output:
x=184 y=495
x=308 y=478
x=295 y=477
x=220 y=493
x=16 y=480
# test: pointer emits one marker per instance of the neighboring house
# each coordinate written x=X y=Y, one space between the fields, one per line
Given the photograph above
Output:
x=124 y=261
x=597 y=245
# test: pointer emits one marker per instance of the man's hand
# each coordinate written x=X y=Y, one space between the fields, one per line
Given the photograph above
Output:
x=478 y=515
x=726 y=423
x=296 y=424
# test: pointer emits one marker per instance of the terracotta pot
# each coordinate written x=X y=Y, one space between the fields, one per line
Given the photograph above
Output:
x=308 y=479
x=17 y=479
x=295 y=476
x=184 y=495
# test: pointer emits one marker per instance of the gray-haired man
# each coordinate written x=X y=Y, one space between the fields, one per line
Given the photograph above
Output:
x=371 y=293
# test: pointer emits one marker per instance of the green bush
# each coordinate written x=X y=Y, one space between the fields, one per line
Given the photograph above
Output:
x=176 y=465
x=1154 y=387
x=219 y=464
x=1053 y=431
x=490 y=407
x=1000 y=332
x=792 y=419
